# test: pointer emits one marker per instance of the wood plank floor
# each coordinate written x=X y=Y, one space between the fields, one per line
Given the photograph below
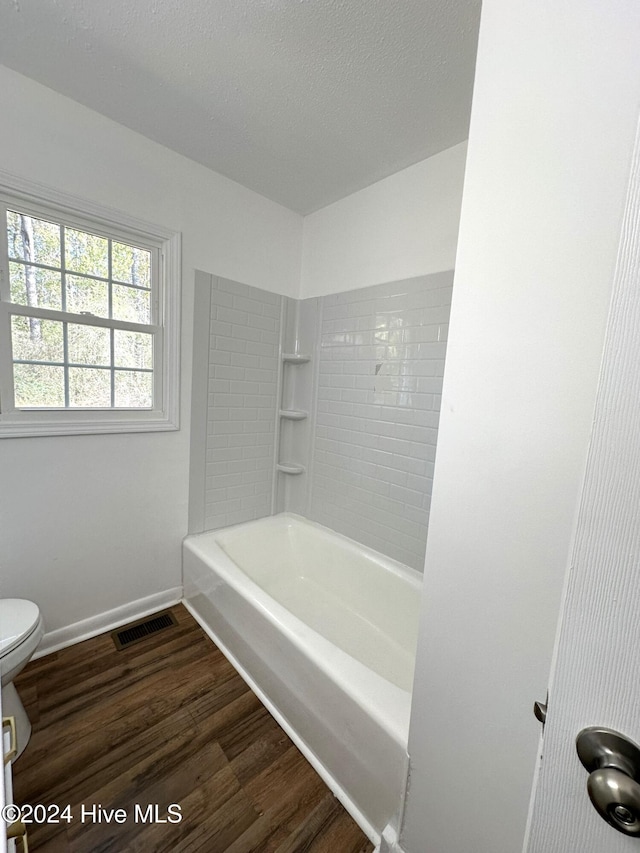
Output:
x=166 y=721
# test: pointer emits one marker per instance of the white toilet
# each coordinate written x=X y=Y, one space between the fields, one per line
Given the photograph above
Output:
x=21 y=629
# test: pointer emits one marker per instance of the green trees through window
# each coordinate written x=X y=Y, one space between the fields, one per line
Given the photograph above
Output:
x=99 y=355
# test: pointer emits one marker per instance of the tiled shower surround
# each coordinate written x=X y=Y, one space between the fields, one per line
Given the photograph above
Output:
x=243 y=373
x=378 y=364
x=380 y=381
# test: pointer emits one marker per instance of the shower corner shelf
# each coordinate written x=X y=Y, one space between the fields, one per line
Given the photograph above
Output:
x=290 y=468
x=293 y=414
x=295 y=358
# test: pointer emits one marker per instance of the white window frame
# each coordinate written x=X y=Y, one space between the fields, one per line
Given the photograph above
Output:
x=53 y=205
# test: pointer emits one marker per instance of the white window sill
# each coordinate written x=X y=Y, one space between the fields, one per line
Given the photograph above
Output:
x=78 y=426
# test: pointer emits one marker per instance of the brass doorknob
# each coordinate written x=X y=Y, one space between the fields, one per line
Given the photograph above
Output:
x=18 y=831
x=10 y=723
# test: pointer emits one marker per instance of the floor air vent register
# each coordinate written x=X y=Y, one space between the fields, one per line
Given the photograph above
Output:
x=143 y=628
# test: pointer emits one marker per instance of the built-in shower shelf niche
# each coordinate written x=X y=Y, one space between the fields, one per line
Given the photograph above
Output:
x=293 y=414
x=295 y=358
x=290 y=468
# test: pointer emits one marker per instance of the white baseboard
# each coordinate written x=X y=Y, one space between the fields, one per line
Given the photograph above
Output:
x=389 y=842
x=53 y=641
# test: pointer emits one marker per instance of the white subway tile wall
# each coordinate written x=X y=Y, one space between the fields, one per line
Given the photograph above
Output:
x=380 y=381
x=243 y=375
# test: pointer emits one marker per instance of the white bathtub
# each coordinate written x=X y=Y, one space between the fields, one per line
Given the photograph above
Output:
x=324 y=630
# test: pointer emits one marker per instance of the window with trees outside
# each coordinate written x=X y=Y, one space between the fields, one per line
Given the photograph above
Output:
x=88 y=341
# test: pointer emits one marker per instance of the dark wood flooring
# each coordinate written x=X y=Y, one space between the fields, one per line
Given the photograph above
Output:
x=166 y=721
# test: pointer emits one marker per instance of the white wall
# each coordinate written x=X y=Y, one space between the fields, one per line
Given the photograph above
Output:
x=91 y=522
x=556 y=99
x=401 y=227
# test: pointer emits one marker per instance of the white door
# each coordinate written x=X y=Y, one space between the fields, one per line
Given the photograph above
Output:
x=596 y=679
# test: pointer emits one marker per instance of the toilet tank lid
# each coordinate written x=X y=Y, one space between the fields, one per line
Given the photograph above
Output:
x=18 y=618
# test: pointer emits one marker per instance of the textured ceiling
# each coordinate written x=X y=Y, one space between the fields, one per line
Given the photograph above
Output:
x=304 y=101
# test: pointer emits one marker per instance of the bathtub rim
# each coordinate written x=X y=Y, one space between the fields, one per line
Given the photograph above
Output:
x=388 y=563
